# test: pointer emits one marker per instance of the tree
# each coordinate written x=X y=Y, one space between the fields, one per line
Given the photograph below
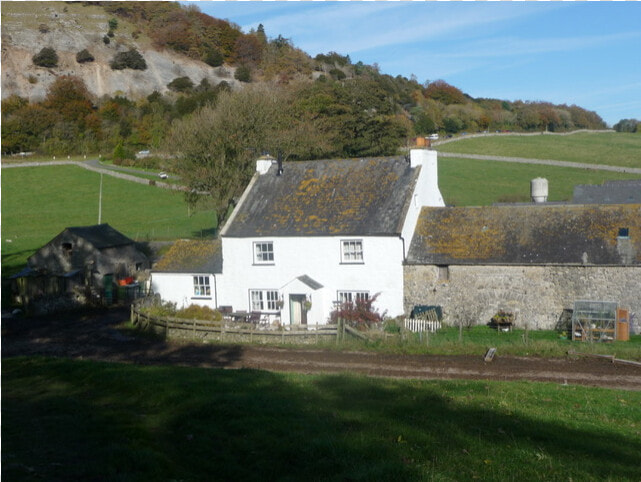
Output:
x=68 y=97
x=216 y=147
x=47 y=57
x=627 y=125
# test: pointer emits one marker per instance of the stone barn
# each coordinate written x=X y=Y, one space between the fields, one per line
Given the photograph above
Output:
x=535 y=260
x=91 y=259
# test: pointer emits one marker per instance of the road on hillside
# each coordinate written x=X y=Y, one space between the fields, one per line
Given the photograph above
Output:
x=547 y=162
x=96 y=337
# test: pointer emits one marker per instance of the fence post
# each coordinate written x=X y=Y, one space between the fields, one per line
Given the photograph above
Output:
x=131 y=315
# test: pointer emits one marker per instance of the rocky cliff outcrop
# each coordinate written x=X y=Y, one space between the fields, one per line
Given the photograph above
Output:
x=68 y=28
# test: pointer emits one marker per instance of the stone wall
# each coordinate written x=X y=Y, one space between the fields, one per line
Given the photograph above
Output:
x=539 y=294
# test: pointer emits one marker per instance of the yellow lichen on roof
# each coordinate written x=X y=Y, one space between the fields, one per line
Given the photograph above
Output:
x=477 y=236
x=186 y=254
x=308 y=206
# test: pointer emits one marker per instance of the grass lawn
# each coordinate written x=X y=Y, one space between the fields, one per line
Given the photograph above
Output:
x=470 y=182
x=477 y=339
x=39 y=202
x=78 y=420
x=611 y=148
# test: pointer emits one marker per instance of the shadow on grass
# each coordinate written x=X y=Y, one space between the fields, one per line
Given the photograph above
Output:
x=66 y=420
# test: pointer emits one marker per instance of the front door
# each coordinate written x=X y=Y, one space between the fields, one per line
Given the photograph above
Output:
x=297 y=313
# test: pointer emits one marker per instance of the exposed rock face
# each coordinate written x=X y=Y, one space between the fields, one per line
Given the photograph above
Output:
x=78 y=28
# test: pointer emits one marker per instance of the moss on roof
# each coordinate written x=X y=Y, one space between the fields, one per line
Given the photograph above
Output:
x=330 y=197
x=189 y=256
x=568 y=234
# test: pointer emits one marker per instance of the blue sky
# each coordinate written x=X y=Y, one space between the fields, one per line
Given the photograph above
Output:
x=583 y=53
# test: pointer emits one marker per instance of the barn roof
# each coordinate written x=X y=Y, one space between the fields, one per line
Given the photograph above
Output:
x=610 y=192
x=188 y=256
x=101 y=235
x=528 y=235
x=325 y=198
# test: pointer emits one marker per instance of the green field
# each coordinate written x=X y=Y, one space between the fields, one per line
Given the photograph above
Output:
x=470 y=182
x=615 y=148
x=78 y=420
x=39 y=202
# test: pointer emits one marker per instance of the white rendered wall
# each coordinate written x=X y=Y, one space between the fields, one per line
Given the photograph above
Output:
x=179 y=288
x=320 y=259
x=426 y=192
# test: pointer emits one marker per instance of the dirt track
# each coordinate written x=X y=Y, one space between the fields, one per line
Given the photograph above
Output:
x=95 y=338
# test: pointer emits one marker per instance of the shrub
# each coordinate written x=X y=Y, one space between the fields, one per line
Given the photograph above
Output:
x=360 y=314
x=33 y=79
x=181 y=84
x=214 y=58
x=197 y=312
x=243 y=74
x=84 y=56
x=128 y=60
x=47 y=57
x=113 y=24
x=106 y=40
x=338 y=74
x=160 y=309
x=43 y=28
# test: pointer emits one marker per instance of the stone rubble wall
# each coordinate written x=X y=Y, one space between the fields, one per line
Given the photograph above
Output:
x=538 y=294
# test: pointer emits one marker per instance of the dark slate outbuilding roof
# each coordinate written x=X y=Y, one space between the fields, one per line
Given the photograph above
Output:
x=325 y=198
x=187 y=256
x=528 y=235
x=610 y=192
x=101 y=235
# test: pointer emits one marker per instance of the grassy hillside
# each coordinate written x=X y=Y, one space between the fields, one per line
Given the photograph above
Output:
x=77 y=420
x=616 y=149
x=39 y=202
x=469 y=182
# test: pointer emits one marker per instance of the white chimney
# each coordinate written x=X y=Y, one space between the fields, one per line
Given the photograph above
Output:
x=427 y=192
x=263 y=164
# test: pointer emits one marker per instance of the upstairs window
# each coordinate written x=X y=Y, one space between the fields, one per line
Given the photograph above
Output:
x=264 y=252
x=352 y=251
x=201 y=286
x=67 y=249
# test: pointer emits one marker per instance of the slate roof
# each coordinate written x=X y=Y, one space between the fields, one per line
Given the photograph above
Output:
x=187 y=256
x=326 y=198
x=101 y=236
x=610 y=192
x=528 y=235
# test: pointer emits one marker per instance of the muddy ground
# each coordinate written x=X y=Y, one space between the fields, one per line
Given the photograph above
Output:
x=95 y=337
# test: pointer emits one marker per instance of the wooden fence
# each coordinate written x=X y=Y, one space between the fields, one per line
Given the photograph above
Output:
x=232 y=331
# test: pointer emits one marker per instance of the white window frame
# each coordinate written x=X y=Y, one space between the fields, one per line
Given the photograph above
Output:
x=202 y=286
x=351 y=296
x=263 y=252
x=352 y=251
x=265 y=300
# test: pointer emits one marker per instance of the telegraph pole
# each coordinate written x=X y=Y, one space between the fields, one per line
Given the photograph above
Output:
x=100 y=201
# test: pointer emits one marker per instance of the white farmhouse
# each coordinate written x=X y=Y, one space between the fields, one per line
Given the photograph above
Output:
x=308 y=235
